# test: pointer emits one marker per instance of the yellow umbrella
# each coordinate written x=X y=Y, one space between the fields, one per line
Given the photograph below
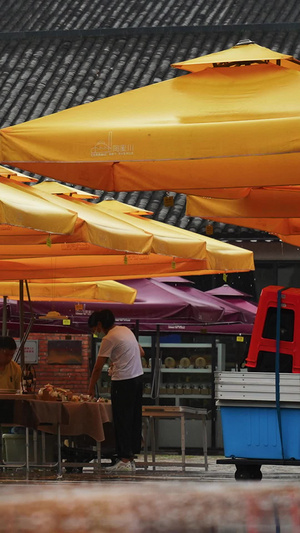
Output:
x=29 y=207
x=113 y=229
x=234 y=125
x=15 y=176
x=21 y=207
x=53 y=187
x=274 y=209
x=229 y=259
x=247 y=53
x=269 y=202
x=113 y=225
x=82 y=291
x=219 y=256
x=28 y=215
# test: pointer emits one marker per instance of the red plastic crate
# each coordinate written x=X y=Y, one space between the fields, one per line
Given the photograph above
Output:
x=261 y=343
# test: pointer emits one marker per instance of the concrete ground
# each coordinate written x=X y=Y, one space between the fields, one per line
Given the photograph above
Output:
x=216 y=473
x=166 y=500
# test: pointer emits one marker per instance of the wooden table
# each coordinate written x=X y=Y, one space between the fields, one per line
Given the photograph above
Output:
x=55 y=417
x=25 y=410
x=84 y=418
x=150 y=413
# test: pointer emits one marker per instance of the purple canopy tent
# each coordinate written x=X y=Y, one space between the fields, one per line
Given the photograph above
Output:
x=225 y=291
x=234 y=297
x=172 y=303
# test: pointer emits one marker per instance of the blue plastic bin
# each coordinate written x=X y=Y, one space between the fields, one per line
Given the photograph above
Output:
x=253 y=432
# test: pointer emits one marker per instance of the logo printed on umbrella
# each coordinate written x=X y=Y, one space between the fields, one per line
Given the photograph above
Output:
x=109 y=149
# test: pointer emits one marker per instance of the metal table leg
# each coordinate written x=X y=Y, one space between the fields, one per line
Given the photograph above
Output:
x=204 y=426
x=43 y=448
x=153 y=443
x=145 y=437
x=35 y=446
x=98 y=447
x=182 y=426
x=27 y=448
x=59 y=465
x=1 y=445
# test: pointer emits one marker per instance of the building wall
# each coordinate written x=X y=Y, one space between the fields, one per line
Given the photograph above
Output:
x=72 y=376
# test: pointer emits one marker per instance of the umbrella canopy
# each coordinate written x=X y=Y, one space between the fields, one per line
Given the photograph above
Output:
x=21 y=207
x=111 y=228
x=160 y=300
x=159 y=303
x=53 y=187
x=263 y=202
x=225 y=291
x=245 y=52
x=234 y=125
x=119 y=267
x=108 y=291
x=233 y=296
x=271 y=209
x=15 y=176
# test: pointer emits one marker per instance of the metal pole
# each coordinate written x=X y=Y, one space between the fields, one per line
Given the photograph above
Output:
x=156 y=368
x=27 y=448
x=4 y=316
x=24 y=336
x=157 y=357
x=21 y=321
x=59 y=472
x=137 y=329
x=213 y=408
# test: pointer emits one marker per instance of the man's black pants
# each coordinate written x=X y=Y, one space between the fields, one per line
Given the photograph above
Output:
x=126 y=399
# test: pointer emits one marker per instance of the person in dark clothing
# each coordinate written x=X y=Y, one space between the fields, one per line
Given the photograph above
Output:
x=121 y=347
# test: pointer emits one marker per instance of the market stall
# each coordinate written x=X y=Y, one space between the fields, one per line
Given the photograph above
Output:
x=61 y=418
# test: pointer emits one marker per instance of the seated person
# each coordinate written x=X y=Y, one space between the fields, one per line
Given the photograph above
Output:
x=10 y=376
x=10 y=372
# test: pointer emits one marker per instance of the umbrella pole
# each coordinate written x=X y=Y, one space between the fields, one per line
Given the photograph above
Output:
x=157 y=362
x=137 y=329
x=24 y=336
x=4 y=316
x=21 y=321
x=155 y=370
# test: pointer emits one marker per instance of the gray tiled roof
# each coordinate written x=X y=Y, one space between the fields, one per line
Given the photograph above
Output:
x=55 y=55
x=35 y=15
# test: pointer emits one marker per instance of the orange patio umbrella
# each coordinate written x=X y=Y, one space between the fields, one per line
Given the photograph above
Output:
x=233 y=121
x=22 y=209
x=124 y=221
x=15 y=176
x=53 y=187
x=271 y=209
x=118 y=267
x=108 y=229
x=110 y=226
x=27 y=209
x=261 y=202
x=77 y=291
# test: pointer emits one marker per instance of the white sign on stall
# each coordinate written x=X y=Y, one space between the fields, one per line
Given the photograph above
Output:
x=31 y=352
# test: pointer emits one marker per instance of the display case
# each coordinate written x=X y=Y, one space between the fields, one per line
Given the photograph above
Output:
x=185 y=378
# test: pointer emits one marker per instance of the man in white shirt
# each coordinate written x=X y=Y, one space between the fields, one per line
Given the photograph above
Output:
x=121 y=347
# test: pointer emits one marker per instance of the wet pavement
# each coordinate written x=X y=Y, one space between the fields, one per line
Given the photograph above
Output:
x=215 y=473
x=166 y=500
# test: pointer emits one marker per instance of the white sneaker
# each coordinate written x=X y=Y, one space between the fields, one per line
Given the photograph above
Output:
x=133 y=467
x=119 y=466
